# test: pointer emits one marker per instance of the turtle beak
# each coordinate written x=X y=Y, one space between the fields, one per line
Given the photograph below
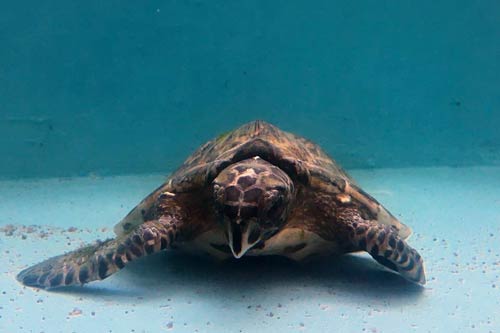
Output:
x=242 y=236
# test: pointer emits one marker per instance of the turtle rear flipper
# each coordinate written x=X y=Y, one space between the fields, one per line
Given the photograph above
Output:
x=100 y=260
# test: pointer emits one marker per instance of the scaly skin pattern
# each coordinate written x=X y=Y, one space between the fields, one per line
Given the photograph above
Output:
x=383 y=243
x=349 y=226
x=244 y=184
x=98 y=261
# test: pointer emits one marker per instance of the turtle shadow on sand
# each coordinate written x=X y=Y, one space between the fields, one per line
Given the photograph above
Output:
x=172 y=274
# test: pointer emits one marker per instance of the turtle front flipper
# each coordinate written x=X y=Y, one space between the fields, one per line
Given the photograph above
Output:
x=100 y=260
x=383 y=242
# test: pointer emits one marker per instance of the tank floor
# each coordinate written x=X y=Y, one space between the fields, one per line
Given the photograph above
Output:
x=454 y=212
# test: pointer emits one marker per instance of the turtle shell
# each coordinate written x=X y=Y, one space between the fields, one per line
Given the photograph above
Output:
x=304 y=161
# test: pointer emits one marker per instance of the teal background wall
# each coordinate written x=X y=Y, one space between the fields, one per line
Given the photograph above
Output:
x=119 y=87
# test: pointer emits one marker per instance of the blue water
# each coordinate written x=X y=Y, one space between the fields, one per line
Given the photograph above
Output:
x=100 y=101
x=119 y=88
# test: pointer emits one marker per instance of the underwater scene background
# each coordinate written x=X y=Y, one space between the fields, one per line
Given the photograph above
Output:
x=100 y=101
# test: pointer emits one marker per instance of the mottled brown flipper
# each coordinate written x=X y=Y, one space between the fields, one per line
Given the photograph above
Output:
x=100 y=260
x=383 y=243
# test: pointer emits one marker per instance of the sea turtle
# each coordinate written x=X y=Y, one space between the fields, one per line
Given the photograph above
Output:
x=254 y=191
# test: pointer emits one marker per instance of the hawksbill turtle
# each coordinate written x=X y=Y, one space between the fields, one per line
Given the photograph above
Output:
x=253 y=191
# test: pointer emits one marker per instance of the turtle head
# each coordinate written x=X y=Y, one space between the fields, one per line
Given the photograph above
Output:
x=253 y=198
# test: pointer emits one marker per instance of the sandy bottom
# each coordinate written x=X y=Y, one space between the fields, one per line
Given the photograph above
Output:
x=455 y=215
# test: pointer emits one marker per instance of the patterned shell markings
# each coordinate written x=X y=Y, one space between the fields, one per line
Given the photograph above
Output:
x=223 y=150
